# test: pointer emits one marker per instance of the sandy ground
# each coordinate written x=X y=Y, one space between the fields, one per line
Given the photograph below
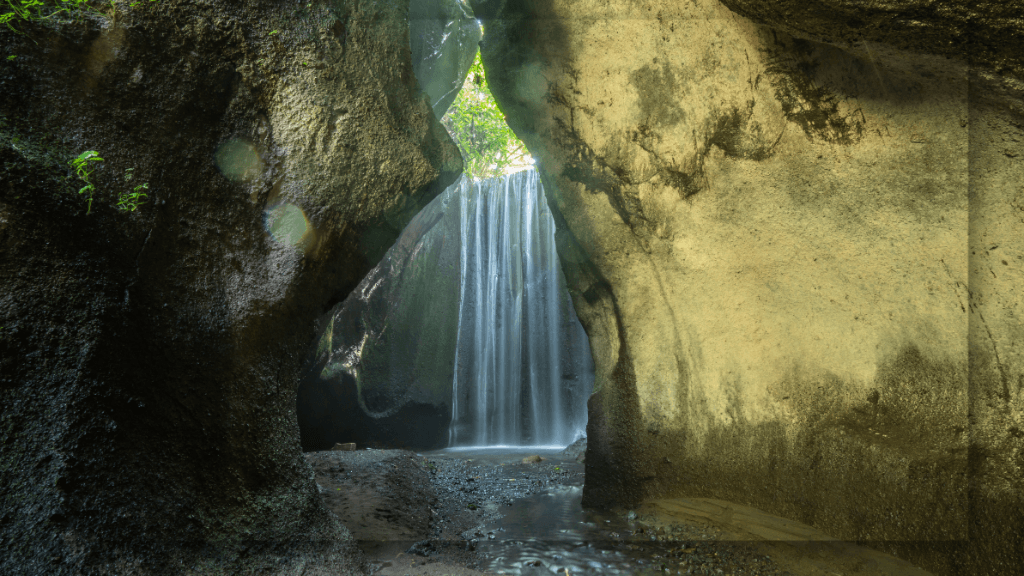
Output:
x=796 y=548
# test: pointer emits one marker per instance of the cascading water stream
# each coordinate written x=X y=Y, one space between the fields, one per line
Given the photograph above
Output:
x=511 y=385
x=464 y=332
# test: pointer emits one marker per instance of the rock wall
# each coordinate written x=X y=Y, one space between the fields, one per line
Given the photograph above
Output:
x=797 y=262
x=382 y=373
x=149 y=359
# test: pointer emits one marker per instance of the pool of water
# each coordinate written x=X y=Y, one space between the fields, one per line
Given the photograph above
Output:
x=551 y=533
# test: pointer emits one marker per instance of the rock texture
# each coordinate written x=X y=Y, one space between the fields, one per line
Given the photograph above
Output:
x=444 y=39
x=990 y=32
x=149 y=359
x=382 y=373
x=797 y=262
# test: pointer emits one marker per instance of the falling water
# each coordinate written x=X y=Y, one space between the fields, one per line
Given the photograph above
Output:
x=522 y=367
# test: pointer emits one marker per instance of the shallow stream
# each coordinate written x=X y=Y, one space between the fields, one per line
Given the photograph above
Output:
x=551 y=533
x=505 y=510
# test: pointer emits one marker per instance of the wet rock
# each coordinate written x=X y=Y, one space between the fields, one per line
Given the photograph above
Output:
x=380 y=495
x=577 y=450
x=423 y=548
x=383 y=372
x=443 y=37
x=532 y=459
x=347 y=447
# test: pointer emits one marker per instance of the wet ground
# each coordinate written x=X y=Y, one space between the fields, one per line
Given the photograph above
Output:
x=427 y=513
x=465 y=513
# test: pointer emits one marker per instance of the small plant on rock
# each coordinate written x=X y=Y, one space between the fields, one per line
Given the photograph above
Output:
x=83 y=170
x=38 y=10
x=41 y=10
x=130 y=201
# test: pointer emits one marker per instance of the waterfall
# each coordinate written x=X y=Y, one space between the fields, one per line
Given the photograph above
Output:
x=523 y=370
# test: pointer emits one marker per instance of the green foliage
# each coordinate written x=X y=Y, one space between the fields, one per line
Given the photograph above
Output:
x=130 y=201
x=83 y=170
x=39 y=10
x=478 y=127
x=126 y=201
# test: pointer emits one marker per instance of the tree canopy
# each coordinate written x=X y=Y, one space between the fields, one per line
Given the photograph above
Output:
x=478 y=127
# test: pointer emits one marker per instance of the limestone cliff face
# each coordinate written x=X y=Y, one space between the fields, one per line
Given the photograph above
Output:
x=798 y=264
x=149 y=359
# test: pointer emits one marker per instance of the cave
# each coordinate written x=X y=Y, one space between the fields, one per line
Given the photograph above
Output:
x=747 y=302
x=463 y=336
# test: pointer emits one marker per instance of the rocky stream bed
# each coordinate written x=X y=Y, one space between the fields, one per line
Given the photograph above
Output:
x=497 y=512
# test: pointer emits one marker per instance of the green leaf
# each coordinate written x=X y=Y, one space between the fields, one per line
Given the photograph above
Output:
x=87 y=155
x=478 y=127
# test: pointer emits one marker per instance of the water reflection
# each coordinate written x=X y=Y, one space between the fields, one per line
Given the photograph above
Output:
x=551 y=533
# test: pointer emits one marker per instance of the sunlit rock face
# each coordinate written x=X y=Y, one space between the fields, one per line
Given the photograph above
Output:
x=989 y=30
x=149 y=360
x=770 y=242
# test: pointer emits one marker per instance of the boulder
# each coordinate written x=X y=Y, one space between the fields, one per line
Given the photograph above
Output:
x=769 y=232
x=382 y=371
x=577 y=450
